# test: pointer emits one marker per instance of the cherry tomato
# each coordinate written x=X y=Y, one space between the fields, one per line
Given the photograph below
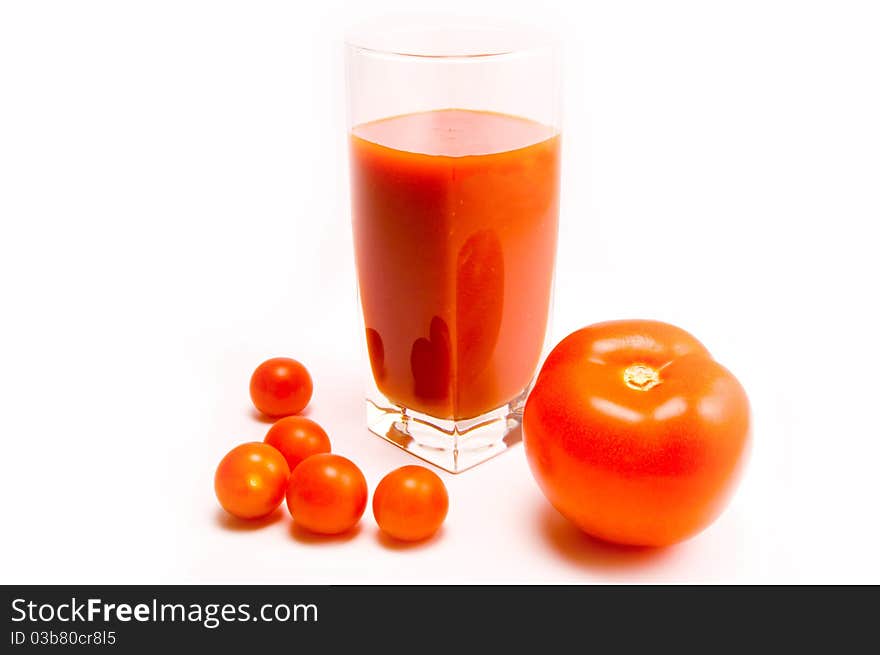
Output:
x=634 y=433
x=250 y=480
x=281 y=386
x=327 y=494
x=297 y=438
x=410 y=503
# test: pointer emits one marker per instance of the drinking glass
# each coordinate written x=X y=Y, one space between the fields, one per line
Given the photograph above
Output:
x=454 y=139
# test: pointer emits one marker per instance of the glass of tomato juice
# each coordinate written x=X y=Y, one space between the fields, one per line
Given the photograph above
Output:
x=454 y=144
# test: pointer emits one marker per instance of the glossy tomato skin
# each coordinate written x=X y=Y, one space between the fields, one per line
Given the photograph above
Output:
x=327 y=494
x=410 y=503
x=297 y=437
x=250 y=480
x=647 y=467
x=280 y=387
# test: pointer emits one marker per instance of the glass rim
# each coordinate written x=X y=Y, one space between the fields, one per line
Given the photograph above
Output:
x=457 y=39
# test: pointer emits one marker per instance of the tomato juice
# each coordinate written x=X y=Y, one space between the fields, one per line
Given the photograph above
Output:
x=455 y=218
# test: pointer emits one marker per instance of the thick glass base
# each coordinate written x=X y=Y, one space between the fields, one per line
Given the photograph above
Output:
x=453 y=446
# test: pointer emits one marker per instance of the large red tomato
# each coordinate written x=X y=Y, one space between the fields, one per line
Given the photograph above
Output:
x=634 y=432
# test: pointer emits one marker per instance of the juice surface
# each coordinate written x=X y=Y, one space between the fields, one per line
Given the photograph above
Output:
x=455 y=221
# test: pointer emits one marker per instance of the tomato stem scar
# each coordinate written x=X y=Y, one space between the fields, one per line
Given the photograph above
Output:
x=641 y=377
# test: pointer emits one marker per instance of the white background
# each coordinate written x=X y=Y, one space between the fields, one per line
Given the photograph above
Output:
x=173 y=199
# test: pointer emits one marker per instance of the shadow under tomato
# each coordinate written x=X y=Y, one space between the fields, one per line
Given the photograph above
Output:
x=390 y=543
x=257 y=415
x=234 y=524
x=262 y=418
x=589 y=552
x=304 y=536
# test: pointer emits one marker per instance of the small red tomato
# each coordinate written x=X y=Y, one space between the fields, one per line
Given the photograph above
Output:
x=327 y=494
x=297 y=438
x=250 y=480
x=410 y=503
x=281 y=386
